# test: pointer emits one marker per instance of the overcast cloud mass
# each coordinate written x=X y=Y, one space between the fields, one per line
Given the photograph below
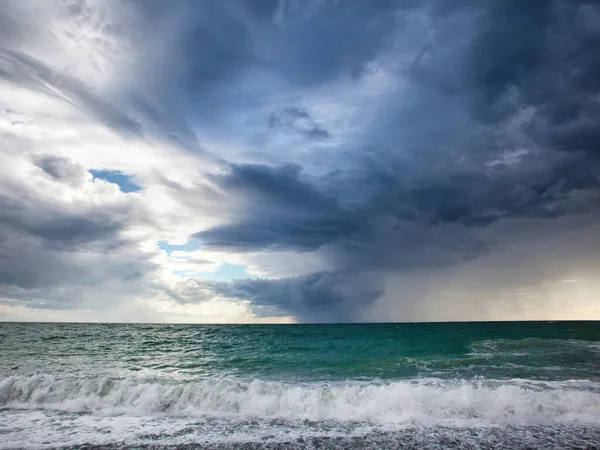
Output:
x=309 y=161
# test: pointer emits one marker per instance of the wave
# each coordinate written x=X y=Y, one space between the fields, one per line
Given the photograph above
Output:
x=427 y=401
x=523 y=346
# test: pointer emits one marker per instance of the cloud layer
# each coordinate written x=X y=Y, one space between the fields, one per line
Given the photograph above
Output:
x=394 y=161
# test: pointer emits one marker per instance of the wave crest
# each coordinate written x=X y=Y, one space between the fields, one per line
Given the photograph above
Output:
x=422 y=401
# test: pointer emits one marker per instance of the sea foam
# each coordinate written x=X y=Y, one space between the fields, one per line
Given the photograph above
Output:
x=425 y=401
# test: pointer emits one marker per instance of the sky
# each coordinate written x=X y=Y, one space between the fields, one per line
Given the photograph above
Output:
x=280 y=161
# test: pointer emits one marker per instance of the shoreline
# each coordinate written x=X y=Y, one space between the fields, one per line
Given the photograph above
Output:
x=422 y=438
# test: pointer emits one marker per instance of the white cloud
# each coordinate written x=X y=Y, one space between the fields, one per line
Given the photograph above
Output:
x=117 y=271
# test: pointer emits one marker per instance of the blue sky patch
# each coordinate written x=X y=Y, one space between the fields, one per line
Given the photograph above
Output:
x=189 y=246
x=227 y=272
x=121 y=179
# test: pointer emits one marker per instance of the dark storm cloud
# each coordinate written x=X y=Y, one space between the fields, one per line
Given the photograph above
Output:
x=281 y=211
x=539 y=55
x=306 y=43
x=330 y=39
x=317 y=297
x=526 y=36
x=298 y=121
x=322 y=297
x=219 y=46
x=548 y=53
x=480 y=197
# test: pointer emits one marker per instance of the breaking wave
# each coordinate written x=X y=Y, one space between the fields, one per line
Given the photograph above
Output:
x=425 y=401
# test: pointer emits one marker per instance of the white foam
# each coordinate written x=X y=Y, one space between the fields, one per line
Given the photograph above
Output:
x=426 y=402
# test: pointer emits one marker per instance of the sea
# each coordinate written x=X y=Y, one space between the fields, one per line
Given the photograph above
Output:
x=513 y=385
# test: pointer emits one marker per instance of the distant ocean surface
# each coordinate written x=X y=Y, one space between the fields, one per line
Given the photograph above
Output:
x=421 y=386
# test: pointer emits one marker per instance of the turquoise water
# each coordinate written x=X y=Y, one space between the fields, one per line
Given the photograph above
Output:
x=550 y=351
x=108 y=384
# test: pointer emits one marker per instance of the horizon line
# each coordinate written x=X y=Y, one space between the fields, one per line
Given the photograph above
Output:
x=302 y=323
